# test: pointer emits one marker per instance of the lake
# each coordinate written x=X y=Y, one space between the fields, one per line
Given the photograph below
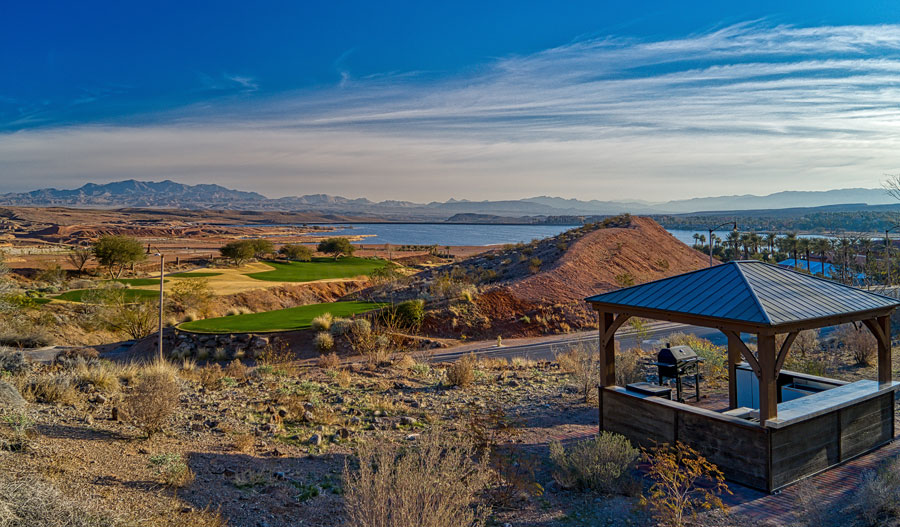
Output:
x=465 y=234
x=448 y=233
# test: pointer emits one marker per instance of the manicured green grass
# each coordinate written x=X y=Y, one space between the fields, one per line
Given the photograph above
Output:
x=318 y=269
x=130 y=294
x=198 y=274
x=138 y=281
x=280 y=320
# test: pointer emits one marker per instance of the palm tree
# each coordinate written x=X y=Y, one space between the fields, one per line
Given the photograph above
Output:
x=821 y=246
x=755 y=242
x=696 y=240
x=770 y=241
x=733 y=240
x=702 y=240
x=803 y=245
x=745 y=244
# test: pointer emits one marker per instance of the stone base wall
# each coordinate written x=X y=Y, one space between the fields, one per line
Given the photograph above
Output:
x=231 y=346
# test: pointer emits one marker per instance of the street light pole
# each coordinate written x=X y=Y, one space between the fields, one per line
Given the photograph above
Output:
x=162 y=261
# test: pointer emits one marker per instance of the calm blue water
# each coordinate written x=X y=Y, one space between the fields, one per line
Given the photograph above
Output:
x=448 y=234
x=460 y=234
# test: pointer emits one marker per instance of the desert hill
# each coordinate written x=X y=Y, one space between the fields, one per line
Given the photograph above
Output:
x=610 y=258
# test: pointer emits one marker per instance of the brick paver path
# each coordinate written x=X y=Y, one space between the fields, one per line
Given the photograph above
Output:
x=835 y=486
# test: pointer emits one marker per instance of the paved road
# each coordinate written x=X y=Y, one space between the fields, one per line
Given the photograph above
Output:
x=546 y=348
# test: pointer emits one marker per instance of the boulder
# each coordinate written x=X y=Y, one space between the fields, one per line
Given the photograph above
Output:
x=10 y=399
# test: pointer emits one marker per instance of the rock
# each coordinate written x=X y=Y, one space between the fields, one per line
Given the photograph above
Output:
x=282 y=413
x=187 y=510
x=412 y=437
x=308 y=405
x=114 y=415
x=10 y=399
x=408 y=421
x=513 y=383
x=308 y=416
x=229 y=473
x=354 y=421
x=99 y=399
x=315 y=439
x=343 y=433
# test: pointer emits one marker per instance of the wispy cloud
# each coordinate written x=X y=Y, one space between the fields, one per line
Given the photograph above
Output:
x=747 y=108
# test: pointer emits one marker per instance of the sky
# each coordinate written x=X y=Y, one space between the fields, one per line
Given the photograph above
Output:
x=428 y=101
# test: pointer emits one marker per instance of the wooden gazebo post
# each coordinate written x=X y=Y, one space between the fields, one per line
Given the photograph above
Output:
x=734 y=358
x=768 y=389
x=881 y=329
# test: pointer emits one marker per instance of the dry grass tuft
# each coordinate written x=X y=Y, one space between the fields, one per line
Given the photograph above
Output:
x=103 y=376
x=243 y=443
x=51 y=389
x=462 y=372
x=153 y=401
x=330 y=361
x=30 y=502
x=435 y=483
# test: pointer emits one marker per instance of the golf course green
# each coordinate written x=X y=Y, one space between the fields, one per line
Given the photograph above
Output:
x=281 y=320
x=130 y=294
x=318 y=269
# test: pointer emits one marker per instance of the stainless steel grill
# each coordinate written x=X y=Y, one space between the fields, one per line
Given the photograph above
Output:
x=676 y=362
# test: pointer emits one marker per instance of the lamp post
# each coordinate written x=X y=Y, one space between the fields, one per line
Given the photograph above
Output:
x=162 y=261
x=711 y=231
x=887 y=249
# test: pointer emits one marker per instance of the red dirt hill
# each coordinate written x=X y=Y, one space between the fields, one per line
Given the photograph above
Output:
x=608 y=259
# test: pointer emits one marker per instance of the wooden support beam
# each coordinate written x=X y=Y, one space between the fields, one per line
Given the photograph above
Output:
x=610 y=332
x=734 y=358
x=768 y=390
x=783 y=352
x=881 y=329
x=745 y=351
x=607 y=350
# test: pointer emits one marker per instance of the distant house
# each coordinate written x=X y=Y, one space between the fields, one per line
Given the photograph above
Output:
x=820 y=268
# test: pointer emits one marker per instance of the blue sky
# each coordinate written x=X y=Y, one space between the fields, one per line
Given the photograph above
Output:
x=422 y=101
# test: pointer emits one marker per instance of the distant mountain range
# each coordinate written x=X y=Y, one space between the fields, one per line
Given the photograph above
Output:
x=169 y=194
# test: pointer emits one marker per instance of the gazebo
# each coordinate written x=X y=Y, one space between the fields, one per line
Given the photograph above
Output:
x=774 y=437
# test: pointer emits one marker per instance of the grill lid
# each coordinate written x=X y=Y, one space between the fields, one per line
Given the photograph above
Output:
x=676 y=355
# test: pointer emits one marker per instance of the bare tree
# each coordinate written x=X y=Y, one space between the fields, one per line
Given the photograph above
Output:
x=80 y=256
x=892 y=185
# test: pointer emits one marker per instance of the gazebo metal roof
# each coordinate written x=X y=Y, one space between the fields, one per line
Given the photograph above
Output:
x=746 y=292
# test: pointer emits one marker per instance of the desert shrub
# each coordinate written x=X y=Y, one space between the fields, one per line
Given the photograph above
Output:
x=877 y=499
x=683 y=482
x=340 y=327
x=360 y=328
x=462 y=372
x=625 y=279
x=582 y=362
x=715 y=358
x=29 y=502
x=343 y=378
x=600 y=464
x=236 y=370
x=51 y=389
x=243 y=442
x=152 y=402
x=404 y=363
x=859 y=342
x=15 y=432
x=102 y=376
x=192 y=295
x=330 y=361
x=277 y=353
x=323 y=341
x=322 y=322
x=211 y=376
x=24 y=332
x=172 y=469
x=76 y=357
x=436 y=482
x=411 y=313
x=12 y=361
